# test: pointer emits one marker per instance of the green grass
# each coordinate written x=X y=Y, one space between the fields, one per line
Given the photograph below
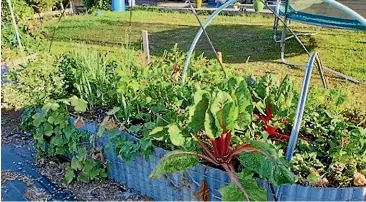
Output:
x=237 y=37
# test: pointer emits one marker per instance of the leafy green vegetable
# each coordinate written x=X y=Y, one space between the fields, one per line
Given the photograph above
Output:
x=232 y=193
x=175 y=161
x=267 y=164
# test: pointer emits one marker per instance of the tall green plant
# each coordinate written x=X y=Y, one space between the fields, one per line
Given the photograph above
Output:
x=213 y=118
x=91 y=76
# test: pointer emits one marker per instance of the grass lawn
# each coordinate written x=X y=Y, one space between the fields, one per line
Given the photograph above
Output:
x=237 y=37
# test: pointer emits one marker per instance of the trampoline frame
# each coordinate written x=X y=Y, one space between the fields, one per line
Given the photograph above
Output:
x=282 y=40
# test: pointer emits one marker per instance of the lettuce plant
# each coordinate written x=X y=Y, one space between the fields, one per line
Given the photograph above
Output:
x=213 y=119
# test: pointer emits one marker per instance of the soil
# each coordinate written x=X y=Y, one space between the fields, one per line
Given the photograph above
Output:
x=10 y=132
x=102 y=190
x=98 y=190
x=37 y=194
x=7 y=175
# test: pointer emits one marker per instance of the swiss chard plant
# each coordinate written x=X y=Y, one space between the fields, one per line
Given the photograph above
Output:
x=213 y=119
x=274 y=105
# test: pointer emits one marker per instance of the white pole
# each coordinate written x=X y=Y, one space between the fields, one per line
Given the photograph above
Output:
x=14 y=23
x=145 y=42
x=131 y=3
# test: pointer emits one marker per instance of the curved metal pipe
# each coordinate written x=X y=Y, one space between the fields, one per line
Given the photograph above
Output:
x=300 y=107
x=198 y=35
x=347 y=10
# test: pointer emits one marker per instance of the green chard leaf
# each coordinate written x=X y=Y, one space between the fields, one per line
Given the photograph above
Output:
x=231 y=192
x=267 y=164
x=197 y=112
x=76 y=164
x=225 y=111
x=210 y=126
x=176 y=136
x=175 y=161
x=158 y=133
x=245 y=104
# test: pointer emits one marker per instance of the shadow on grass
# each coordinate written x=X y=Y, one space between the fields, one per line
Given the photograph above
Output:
x=236 y=42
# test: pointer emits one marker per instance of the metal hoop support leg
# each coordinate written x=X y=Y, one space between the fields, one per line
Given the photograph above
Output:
x=300 y=107
x=198 y=35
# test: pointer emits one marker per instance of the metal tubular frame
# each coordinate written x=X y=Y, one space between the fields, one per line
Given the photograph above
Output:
x=301 y=105
x=275 y=28
x=286 y=28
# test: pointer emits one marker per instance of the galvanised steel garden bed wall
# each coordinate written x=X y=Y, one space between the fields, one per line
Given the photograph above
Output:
x=185 y=186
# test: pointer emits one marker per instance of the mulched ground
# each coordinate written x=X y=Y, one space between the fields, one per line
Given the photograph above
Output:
x=103 y=190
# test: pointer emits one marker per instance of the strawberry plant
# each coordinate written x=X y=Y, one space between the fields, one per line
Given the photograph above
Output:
x=55 y=135
x=213 y=118
x=84 y=168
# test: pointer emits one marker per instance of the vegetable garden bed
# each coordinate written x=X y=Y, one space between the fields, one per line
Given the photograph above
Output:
x=187 y=186
x=239 y=125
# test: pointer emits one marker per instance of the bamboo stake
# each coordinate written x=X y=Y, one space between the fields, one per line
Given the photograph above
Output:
x=14 y=23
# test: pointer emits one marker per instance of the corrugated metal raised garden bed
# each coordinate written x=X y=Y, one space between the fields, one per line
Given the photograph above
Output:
x=186 y=186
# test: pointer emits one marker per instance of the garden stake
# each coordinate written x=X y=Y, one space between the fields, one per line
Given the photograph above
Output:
x=14 y=23
x=145 y=42
x=58 y=22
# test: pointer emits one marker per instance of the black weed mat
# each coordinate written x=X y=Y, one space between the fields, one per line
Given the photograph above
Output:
x=22 y=181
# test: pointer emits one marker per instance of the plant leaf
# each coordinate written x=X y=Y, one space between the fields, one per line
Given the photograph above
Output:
x=69 y=174
x=79 y=104
x=101 y=128
x=175 y=161
x=158 y=133
x=225 y=111
x=175 y=135
x=232 y=193
x=113 y=111
x=267 y=164
x=197 y=112
x=75 y=164
x=245 y=104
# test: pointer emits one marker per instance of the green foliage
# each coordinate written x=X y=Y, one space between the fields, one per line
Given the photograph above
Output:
x=231 y=192
x=267 y=164
x=28 y=27
x=52 y=130
x=42 y=5
x=91 y=76
x=84 y=169
x=55 y=135
x=98 y=4
x=32 y=85
x=175 y=161
x=214 y=113
x=333 y=148
x=217 y=111
x=280 y=96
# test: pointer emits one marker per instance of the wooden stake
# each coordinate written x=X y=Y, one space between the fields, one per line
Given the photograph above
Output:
x=219 y=56
x=145 y=42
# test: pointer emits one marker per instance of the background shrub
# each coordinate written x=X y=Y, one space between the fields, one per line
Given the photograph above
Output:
x=33 y=84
